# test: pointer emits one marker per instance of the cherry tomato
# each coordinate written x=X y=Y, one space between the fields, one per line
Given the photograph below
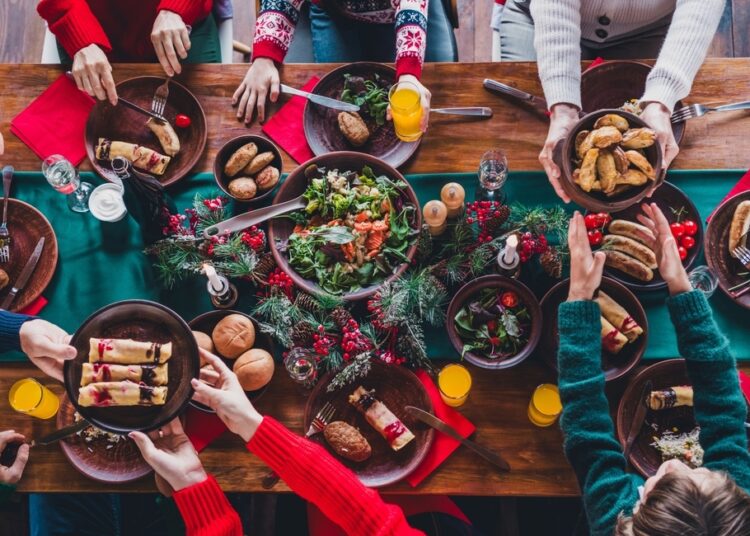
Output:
x=603 y=219
x=509 y=299
x=687 y=241
x=677 y=229
x=683 y=253
x=595 y=237
x=182 y=121
x=690 y=227
x=591 y=220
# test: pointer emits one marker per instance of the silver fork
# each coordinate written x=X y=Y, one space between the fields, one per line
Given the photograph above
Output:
x=4 y=234
x=318 y=424
x=699 y=110
x=742 y=254
x=159 y=102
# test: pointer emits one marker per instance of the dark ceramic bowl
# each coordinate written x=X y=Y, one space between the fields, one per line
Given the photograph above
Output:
x=597 y=201
x=226 y=151
x=295 y=185
x=614 y=365
x=141 y=320
x=471 y=289
x=612 y=83
x=207 y=322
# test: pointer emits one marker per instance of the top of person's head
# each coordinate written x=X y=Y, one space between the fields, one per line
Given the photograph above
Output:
x=678 y=506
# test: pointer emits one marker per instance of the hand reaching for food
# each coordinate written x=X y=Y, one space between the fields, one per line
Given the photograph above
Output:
x=12 y=474
x=585 y=268
x=664 y=245
x=171 y=454
x=562 y=119
x=261 y=81
x=47 y=346
x=2 y=145
x=425 y=98
x=658 y=117
x=227 y=398
x=171 y=41
x=93 y=73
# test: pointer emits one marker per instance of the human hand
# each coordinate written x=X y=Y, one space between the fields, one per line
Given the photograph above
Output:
x=93 y=73
x=2 y=145
x=563 y=118
x=171 y=454
x=261 y=77
x=227 y=398
x=12 y=474
x=171 y=39
x=585 y=268
x=424 y=96
x=665 y=247
x=47 y=346
x=658 y=117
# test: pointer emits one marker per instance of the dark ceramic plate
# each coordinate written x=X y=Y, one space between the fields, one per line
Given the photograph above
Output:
x=668 y=198
x=123 y=124
x=613 y=365
x=396 y=387
x=612 y=83
x=98 y=460
x=26 y=226
x=716 y=248
x=144 y=321
x=469 y=291
x=295 y=185
x=228 y=149
x=207 y=322
x=322 y=127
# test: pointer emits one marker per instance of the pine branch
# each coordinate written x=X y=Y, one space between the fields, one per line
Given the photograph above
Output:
x=357 y=368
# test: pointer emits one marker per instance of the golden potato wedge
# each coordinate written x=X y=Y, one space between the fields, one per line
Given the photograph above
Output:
x=580 y=137
x=605 y=137
x=638 y=138
x=585 y=145
x=621 y=161
x=588 y=170
x=612 y=120
x=642 y=163
x=607 y=171
x=633 y=177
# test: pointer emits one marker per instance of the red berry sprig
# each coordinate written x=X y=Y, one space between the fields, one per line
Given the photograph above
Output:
x=353 y=342
x=389 y=357
x=482 y=212
x=254 y=238
x=323 y=342
x=281 y=280
x=532 y=244
x=214 y=204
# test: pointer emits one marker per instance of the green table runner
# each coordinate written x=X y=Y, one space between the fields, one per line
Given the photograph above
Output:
x=101 y=263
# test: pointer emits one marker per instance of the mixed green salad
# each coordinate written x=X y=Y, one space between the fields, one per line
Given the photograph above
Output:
x=370 y=95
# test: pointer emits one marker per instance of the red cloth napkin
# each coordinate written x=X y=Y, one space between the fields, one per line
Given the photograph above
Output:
x=286 y=129
x=743 y=185
x=443 y=446
x=745 y=385
x=597 y=61
x=54 y=122
x=34 y=307
x=202 y=428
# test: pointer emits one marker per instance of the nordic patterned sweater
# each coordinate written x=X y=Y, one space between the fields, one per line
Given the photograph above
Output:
x=590 y=443
x=274 y=28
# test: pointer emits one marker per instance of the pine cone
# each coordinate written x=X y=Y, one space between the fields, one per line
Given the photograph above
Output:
x=266 y=265
x=307 y=302
x=439 y=269
x=493 y=225
x=438 y=284
x=302 y=334
x=341 y=316
x=424 y=244
x=551 y=263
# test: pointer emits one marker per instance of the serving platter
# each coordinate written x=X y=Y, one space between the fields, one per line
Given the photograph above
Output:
x=119 y=123
x=396 y=387
x=140 y=320
x=321 y=123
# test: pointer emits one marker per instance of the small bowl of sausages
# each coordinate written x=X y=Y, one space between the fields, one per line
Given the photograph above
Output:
x=609 y=161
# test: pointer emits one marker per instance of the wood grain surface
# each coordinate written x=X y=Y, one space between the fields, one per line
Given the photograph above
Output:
x=451 y=144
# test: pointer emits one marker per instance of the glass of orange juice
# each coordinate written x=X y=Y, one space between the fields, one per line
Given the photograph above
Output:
x=31 y=397
x=545 y=405
x=406 y=109
x=454 y=382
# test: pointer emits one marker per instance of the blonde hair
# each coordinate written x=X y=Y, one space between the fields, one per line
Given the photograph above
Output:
x=677 y=506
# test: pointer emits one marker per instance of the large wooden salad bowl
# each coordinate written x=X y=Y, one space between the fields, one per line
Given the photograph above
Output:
x=295 y=185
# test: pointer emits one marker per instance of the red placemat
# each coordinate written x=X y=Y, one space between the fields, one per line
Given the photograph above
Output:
x=54 y=122
x=286 y=128
x=202 y=428
x=743 y=185
x=35 y=307
x=745 y=385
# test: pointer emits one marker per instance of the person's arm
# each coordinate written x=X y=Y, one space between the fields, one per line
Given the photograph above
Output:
x=190 y=10
x=690 y=34
x=411 y=36
x=10 y=329
x=720 y=408
x=206 y=510
x=274 y=28
x=74 y=25
x=315 y=475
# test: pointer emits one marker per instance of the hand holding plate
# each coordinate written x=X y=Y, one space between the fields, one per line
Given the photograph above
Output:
x=562 y=119
x=659 y=118
x=47 y=346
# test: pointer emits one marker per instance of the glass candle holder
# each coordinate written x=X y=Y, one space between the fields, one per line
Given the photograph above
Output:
x=63 y=177
x=703 y=279
x=545 y=405
x=32 y=398
x=302 y=366
x=454 y=382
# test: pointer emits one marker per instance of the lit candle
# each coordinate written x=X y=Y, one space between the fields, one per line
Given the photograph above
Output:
x=453 y=195
x=510 y=249
x=213 y=277
x=435 y=214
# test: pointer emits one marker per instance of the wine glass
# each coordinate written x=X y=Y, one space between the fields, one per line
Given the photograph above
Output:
x=63 y=177
x=493 y=172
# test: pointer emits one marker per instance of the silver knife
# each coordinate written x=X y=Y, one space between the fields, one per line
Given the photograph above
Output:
x=320 y=99
x=28 y=269
x=62 y=433
x=430 y=420
x=475 y=111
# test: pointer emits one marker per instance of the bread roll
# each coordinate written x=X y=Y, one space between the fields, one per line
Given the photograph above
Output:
x=254 y=369
x=740 y=227
x=233 y=335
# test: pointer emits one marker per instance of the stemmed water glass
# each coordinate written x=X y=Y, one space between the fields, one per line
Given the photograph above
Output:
x=62 y=175
x=493 y=172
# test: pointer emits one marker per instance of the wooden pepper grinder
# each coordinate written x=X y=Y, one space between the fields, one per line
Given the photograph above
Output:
x=453 y=196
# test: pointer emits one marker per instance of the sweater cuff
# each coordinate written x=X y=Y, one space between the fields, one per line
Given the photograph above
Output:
x=77 y=30
x=189 y=10
x=576 y=316
x=10 y=330
x=267 y=49
x=562 y=90
x=204 y=505
x=408 y=65
x=6 y=490
x=687 y=308
x=661 y=90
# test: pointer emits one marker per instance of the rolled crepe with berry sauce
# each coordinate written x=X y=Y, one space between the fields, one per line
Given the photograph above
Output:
x=381 y=418
x=612 y=340
x=128 y=352
x=105 y=372
x=125 y=393
x=619 y=317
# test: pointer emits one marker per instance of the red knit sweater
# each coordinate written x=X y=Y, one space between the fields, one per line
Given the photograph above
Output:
x=121 y=28
x=313 y=474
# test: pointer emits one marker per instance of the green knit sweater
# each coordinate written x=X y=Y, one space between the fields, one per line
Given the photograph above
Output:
x=590 y=443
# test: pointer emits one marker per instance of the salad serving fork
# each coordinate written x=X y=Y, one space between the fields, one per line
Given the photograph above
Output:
x=699 y=110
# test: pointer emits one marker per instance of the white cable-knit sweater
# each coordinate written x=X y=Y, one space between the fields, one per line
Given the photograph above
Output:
x=559 y=26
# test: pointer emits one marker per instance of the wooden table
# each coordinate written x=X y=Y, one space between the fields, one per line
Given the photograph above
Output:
x=499 y=399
